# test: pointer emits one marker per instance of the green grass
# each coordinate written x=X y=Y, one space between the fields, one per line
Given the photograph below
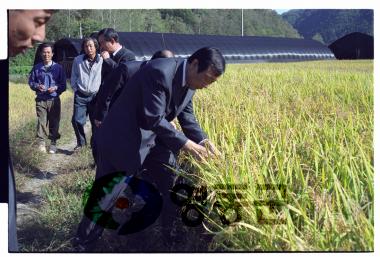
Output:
x=61 y=209
x=57 y=220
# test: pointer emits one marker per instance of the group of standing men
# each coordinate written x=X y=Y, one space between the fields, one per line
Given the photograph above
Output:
x=89 y=70
x=132 y=126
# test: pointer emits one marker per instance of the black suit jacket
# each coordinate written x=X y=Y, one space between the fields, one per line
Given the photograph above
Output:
x=111 y=63
x=112 y=85
x=151 y=99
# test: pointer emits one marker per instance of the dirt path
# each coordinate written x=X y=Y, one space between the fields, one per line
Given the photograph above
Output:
x=29 y=195
x=30 y=203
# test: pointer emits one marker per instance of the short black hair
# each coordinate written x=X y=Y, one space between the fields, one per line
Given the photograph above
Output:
x=45 y=45
x=45 y=10
x=86 y=39
x=162 y=54
x=109 y=34
x=209 y=56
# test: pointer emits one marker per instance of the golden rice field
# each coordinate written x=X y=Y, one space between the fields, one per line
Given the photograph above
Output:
x=305 y=126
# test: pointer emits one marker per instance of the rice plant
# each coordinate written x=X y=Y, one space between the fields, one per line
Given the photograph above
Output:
x=305 y=127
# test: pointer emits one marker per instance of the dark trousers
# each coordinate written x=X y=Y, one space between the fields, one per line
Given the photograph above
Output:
x=83 y=106
x=156 y=171
x=48 y=118
x=12 y=232
x=162 y=176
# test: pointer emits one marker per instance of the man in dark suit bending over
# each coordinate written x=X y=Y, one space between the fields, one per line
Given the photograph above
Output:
x=159 y=92
x=115 y=82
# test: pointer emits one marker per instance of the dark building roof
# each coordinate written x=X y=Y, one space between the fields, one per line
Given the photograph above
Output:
x=234 y=48
x=353 y=46
x=67 y=48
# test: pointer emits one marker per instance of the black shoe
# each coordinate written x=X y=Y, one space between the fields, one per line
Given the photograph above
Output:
x=78 y=148
x=77 y=246
x=80 y=247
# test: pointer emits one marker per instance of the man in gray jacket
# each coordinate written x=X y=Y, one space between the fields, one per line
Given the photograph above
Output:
x=85 y=81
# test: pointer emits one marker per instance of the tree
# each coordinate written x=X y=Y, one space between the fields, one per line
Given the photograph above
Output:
x=318 y=37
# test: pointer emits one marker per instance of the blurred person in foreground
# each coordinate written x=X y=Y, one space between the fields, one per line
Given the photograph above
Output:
x=25 y=28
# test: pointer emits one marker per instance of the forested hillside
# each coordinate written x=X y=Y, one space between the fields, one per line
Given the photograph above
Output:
x=79 y=23
x=329 y=25
x=73 y=23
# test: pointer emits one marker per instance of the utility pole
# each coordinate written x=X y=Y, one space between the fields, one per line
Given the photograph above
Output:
x=200 y=21
x=130 y=21
x=69 y=23
x=80 y=30
x=242 y=22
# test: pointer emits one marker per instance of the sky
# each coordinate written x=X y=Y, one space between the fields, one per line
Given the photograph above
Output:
x=280 y=11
